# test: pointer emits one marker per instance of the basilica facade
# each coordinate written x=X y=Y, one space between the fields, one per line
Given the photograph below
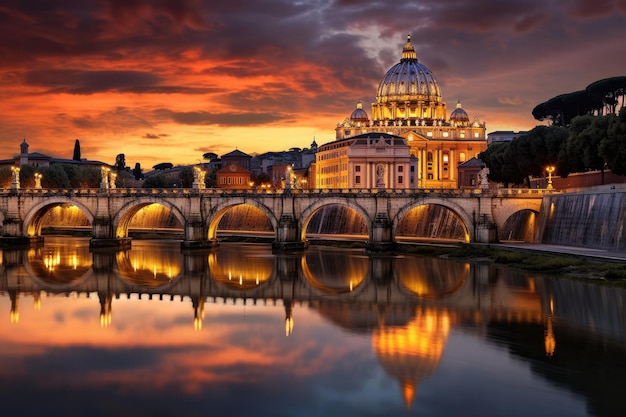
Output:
x=409 y=106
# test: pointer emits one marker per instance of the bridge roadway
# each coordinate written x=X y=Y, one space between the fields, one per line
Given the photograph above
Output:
x=110 y=211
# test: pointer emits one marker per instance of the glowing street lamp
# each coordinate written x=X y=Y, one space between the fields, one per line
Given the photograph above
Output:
x=550 y=170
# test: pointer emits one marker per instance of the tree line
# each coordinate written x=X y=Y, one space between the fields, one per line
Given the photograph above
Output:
x=588 y=143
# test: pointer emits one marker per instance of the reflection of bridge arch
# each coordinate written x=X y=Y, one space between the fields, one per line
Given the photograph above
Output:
x=310 y=211
x=34 y=218
x=449 y=204
x=221 y=208
x=145 y=273
x=67 y=287
x=348 y=277
x=227 y=271
x=430 y=278
x=126 y=213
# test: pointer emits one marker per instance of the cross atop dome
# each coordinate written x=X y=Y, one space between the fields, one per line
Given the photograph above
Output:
x=408 y=52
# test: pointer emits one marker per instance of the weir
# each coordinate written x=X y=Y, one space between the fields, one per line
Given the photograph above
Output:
x=594 y=218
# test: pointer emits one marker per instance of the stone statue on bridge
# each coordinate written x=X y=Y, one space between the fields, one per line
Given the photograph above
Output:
x=484 y=181
x=199 y=176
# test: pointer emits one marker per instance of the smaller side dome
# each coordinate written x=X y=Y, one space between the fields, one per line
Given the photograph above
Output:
x=459 y=117
x=359 y=115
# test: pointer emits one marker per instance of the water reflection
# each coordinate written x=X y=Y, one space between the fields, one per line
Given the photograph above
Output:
x=416 y=317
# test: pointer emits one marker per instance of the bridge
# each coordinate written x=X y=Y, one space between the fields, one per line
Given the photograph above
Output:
x=110 y=211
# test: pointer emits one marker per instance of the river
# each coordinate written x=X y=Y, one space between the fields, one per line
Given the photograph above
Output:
x=240 y=331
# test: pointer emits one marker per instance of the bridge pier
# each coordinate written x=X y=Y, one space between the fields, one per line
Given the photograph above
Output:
x=103 y=236
x=381 y=235
x=196 y=236
x=287 y=235
x=13 y=235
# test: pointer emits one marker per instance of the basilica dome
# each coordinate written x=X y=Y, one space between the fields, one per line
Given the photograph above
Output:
x=459 y=116
x=359 y=115
x=408 y=80
x=409 y=94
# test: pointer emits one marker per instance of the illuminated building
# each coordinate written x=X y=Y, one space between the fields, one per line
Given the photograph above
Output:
x=409 y=105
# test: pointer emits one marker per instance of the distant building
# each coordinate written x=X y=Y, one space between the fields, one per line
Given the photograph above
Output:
x=37 y=159
x=503 y=136
x=369 y=160
x=236 y=157
x=469 y=173
x=233 y=176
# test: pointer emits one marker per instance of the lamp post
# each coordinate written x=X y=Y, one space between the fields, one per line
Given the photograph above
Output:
x=550 y=170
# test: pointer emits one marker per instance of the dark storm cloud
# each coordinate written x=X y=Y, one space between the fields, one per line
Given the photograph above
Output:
x=117 y=119
x=90 y=82
x=220 y=119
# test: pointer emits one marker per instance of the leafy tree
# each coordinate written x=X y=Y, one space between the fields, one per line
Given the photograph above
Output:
x=583 y=144
x=76 y=156
x=607 y=92
x=185 y=178
x=5 y=177
x=124 y=179
x=120 y=162
x=137 y=171
x=613 y=147
x=27 y=176
x=260 y=178
x=158 y=181
x=209 y=156
x=163 y=166
x=54 y=176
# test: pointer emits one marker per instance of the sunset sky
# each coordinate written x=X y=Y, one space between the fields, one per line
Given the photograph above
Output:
x=167 y=80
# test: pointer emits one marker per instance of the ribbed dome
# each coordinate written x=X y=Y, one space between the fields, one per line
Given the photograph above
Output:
x=459 y=116
x=359 y=115
x=408 y=80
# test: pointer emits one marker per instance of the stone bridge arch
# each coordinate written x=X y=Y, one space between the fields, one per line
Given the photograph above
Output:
x=310 y=210
x=450 y=204
x=33 y=219
x=506 y=209
x=122 y=219
x=218 y=211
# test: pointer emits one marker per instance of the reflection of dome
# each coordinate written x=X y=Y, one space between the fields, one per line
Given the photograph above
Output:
x=408 y=80
x=459 y=117
x=412 y=353
x=359 y=115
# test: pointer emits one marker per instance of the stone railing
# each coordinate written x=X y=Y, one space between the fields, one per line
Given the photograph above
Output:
x=440 y=192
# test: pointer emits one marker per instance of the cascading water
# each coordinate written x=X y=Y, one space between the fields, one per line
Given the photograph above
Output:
x=63 y=219
x=431 y=221
x=245 y=217
x=594 y=219
x=337 y=219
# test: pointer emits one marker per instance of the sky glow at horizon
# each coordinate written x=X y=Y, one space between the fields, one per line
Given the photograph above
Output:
x=168 y=81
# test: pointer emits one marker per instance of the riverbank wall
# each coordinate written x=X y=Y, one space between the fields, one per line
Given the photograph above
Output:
x=592 y=218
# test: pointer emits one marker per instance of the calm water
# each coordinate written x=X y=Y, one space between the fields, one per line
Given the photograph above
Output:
x=243 y=332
